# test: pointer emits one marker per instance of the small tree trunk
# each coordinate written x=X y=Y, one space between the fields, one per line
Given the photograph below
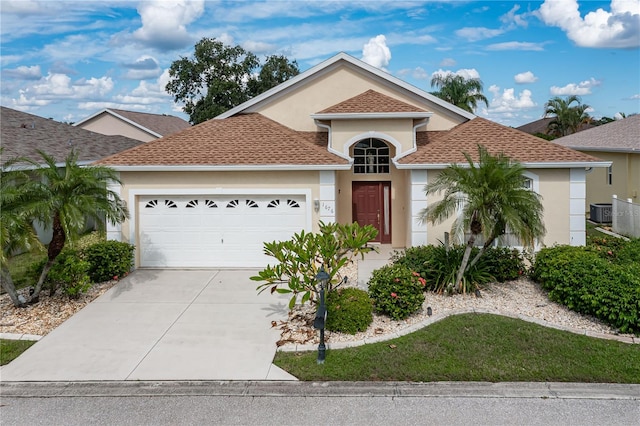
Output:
x=480 y=253
x=10 y=288
x=55 y=247
x=465 y=261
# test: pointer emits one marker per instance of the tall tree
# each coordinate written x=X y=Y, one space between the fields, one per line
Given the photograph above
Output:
x=461 y=92
x=219 y=77
x=67 y=197
x=568 y=115
x=491 y=198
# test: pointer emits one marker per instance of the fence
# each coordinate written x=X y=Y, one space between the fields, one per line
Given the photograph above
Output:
x=625 y=217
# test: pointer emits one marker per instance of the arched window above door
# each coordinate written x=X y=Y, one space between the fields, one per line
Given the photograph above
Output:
x=371 y=156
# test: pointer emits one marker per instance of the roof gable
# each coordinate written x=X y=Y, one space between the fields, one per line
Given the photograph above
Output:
x=449 y=147
x=371 y=102
x=158 y=125
x=343 y=60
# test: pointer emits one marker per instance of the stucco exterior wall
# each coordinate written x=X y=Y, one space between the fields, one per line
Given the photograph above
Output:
x=293 y=109
x=625 y=180
x=555 y=189
x=346 y=132
x=107 y=124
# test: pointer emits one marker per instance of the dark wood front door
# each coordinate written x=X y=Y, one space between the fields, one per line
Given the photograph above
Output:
x=371 y=205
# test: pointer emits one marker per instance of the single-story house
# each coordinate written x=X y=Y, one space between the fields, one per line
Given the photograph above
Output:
x=23 y=135
x=142 y=126
x=342 y=141
x=619 y=143
x=541 y=126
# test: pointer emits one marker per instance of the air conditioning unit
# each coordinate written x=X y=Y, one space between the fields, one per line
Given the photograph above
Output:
x=600 y=212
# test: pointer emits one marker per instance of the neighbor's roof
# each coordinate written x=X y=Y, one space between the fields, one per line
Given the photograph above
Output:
x=24 y=134
x=157 y=124
x=617 y=136
x=542 y=125
x=242 y=140
x=447 y=147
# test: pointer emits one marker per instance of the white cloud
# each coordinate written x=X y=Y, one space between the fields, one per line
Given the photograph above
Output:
x=60 y=87
x=164 y=22
x=525 y=77
x=376 y=53
x=619 y=28
x=467 y=73
x=448 y=62
x=506 y=101
x=417 y=73
x=258 y=47
x=478 y=33
x=143 y=68
x=147 y=93
x=511 y=19
x=516 y=45
x=635 y=96
x=580 y=89
x=24 y=73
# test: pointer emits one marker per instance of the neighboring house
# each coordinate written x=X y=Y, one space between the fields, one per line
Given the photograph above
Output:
x=343 y=141
x=541 y=126
x=142 y=126
x=23 y=135
x=619 y=143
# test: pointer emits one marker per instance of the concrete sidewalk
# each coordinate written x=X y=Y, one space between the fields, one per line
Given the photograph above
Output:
x=164 y=325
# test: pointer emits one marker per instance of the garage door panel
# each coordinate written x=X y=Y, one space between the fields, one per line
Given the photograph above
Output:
x=215 y=231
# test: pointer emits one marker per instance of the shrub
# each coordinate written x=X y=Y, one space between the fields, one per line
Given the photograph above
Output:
x=414 y=258
x=349 y=310
x=109 y=259
x=503 y=264
x=581 y=279
x=396 y=291
x=69 y=272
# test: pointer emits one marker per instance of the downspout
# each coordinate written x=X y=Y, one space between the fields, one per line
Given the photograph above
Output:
x=329 y=140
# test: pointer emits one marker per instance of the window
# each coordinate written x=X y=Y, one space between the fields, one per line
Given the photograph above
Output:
x=371 y=156
x=610 y=175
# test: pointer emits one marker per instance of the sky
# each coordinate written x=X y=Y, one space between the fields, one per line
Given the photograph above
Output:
x=68 y=60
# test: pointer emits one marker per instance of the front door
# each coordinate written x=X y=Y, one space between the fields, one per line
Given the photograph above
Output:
x=371 y=205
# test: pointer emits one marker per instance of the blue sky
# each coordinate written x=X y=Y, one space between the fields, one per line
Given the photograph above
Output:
x=69 y=60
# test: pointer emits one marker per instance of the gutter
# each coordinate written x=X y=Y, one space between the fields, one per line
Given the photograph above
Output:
x=329 y=139
x=546 y=165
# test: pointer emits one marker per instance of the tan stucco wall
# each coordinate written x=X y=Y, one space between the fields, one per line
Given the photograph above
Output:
x=107 y=124
x=399 y=200
x=626 y=178
x=294 y=108
x=345 y=130
x=554 y=187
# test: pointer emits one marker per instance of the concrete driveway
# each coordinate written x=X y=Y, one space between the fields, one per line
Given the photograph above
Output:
x=164 y=325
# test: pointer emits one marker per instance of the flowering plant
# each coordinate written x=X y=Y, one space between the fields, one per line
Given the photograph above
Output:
x=396 y=291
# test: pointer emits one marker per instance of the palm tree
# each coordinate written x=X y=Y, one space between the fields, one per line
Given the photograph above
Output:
x=567 y=117
x=461 y=92
x=491 y=197
x=68 y=196
x=17 y=199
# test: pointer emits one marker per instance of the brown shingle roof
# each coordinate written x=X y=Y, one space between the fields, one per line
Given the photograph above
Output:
x=161 y=124
x=448 y=147
x=542 y=125
x=246 y=139
x=619 y=135
x=24 y=134
x=370 y=102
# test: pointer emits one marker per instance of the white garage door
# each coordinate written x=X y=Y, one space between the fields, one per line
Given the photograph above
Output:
x=215 y=231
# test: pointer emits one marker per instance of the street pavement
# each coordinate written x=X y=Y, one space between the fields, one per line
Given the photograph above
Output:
x=307 y=403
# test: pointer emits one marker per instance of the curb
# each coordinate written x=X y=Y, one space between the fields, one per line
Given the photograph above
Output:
x=289 y=347
x=18 y=336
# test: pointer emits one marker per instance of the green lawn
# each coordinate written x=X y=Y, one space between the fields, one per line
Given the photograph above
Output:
x=475 y=347
x=10 y=349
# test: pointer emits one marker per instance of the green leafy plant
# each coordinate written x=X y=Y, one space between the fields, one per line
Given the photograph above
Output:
x=109 y=260
x=349 y=310
x=300 y=258
x=70 y=273
x=396 y=291
x=503 y=263
x=586 y=282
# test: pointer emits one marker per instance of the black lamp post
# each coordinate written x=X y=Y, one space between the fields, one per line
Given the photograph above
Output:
x=321 y=315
